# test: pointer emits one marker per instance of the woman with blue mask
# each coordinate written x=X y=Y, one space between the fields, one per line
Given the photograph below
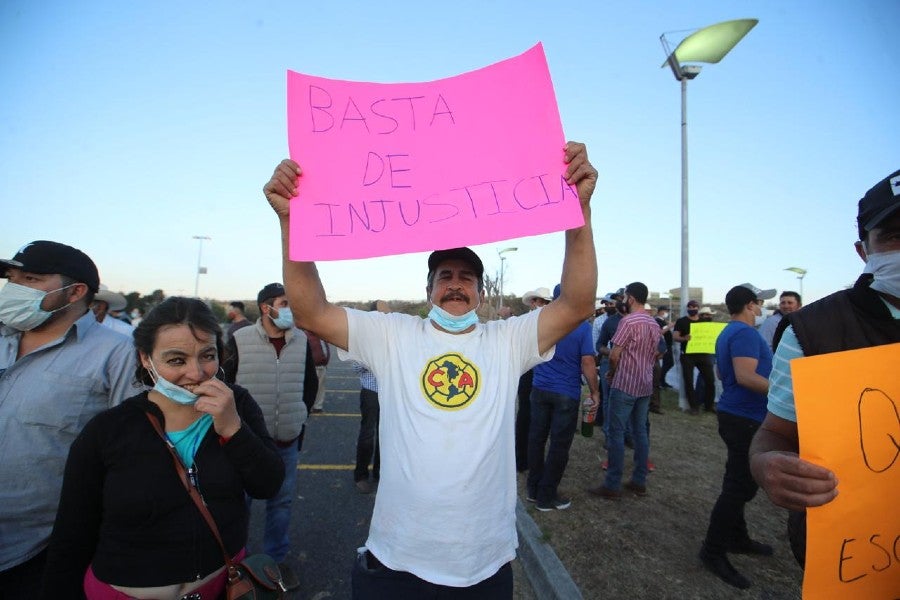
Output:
x=126 y=525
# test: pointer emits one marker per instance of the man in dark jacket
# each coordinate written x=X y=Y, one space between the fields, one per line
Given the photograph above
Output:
x=866 y=315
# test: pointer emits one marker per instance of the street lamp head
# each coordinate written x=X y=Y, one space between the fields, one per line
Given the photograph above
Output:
x=690 y=71
x=800 y=272
x=707 y=45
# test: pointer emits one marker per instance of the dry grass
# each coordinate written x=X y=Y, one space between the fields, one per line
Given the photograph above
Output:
x=647 y=547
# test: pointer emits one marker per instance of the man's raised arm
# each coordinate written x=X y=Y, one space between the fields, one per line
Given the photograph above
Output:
x=305 y=293
x=579 y=275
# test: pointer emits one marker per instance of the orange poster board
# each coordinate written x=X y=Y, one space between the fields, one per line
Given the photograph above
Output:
x=848 y=416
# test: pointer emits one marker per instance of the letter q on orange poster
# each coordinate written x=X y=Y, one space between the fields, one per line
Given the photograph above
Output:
x=848 y=417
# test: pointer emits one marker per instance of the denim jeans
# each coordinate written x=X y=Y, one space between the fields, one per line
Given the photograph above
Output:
x=625 y=409
x=554 y=415
x=371 y=580
x=523 y=420
x=367 y=442
x=727 y=525
x=276 y=542
x=602 y=370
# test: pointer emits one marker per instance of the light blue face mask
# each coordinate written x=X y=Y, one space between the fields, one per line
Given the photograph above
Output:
x=285 y=319
x=452 y=323
x=173 y=392
x=20 y=306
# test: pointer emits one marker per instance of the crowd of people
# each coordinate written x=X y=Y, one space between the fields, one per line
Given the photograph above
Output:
x=98 y=424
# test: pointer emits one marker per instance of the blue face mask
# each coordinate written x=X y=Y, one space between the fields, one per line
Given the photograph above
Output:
x=285 y=319
x=452 y=323
x=173 y=392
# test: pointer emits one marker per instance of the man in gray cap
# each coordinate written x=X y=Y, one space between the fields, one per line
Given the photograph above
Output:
x=448 y=465
x=868 y=314
x=58 y=368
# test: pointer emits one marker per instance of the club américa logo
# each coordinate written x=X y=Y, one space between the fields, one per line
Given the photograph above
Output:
x=450 y=381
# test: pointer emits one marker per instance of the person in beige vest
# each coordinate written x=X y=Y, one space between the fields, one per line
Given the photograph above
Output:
x=271 y=358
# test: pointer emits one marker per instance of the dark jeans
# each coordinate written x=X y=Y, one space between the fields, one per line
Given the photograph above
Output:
x=367 y=443
x=23 y=582
x=554 y=415
x=371 y=580
x=703 y=362
x=726 y=523
x=523 y=420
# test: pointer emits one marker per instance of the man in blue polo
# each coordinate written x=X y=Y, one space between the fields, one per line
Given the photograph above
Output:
x=555 y=402
x=58 y=368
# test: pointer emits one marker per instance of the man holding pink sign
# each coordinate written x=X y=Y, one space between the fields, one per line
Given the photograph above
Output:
x=444 y=517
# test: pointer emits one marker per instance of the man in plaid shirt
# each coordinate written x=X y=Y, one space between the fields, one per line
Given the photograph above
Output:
x=636 y=346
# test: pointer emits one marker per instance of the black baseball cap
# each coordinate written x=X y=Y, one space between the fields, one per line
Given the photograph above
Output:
x=273 y=290
x=53 y=258
x=463 y=254
x=879 y=203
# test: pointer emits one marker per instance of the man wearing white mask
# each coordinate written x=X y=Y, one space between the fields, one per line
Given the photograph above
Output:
x=272 y=360
x=866 y=315
x=58 y=368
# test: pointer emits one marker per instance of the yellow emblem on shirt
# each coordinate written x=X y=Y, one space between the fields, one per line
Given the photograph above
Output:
x=450 y=381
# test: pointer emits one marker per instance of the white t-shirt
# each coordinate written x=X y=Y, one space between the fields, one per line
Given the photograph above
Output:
x=445 y=509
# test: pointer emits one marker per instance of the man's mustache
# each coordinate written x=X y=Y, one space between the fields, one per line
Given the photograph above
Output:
x=455 y=296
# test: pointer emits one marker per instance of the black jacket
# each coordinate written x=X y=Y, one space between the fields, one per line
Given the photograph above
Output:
x=846 y=320
x=124 y=510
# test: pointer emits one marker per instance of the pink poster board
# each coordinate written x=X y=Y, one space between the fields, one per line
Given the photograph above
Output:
x=409 y=167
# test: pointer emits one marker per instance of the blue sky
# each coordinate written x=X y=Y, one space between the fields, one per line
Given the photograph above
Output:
x=130 y=127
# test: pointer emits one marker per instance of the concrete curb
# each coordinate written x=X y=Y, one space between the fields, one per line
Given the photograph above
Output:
x=547 y=575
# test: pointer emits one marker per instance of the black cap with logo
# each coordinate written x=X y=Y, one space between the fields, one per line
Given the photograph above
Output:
x=878 y=204
x=52 y=258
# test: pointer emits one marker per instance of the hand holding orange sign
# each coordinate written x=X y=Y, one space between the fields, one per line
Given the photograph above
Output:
x=849 y=421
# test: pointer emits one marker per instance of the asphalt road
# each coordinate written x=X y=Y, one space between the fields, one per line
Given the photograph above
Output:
x=330 y=518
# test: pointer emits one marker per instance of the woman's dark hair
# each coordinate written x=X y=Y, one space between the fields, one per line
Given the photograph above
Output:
x=175 y=310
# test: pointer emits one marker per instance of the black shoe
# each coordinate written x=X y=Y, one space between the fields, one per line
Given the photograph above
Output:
x=750 y=547
x=656 y=410
x=558 y=503
x=719 y=565
x=288 y=577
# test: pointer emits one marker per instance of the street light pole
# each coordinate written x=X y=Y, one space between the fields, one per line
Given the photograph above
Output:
x=200 y=239
x=709 y=45
x=801 y=273
x=500 y=253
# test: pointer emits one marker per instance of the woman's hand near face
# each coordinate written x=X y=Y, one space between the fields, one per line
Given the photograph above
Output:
x=216 y=399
